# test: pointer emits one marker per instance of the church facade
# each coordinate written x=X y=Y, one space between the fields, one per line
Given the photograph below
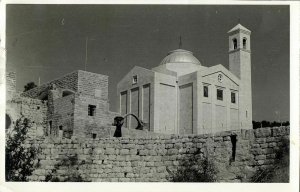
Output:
x=181 y=96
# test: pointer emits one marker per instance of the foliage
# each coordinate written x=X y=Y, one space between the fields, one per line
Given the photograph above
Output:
x=279 y=171
x=264 y=123
x=72 y=165
x=29 y=86
x=194 y=169
x=19 y=160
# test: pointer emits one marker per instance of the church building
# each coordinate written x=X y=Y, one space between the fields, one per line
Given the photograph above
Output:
x=181 y=96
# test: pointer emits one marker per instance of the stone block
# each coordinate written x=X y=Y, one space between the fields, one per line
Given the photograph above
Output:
x=258 y=151
x=109 y=151
x=270 y=139
x=124 y=151
x=260 y=140
x=255 y=146
x=263 y=132
x=172 y=151
x=133 y=151
x=263 y=145
x=98 y=151
x=269 y=150
x=150 y=164
x=260 y=157
x=273 y=144
x=169 y=146
x=130 y=175
x=120 y=158
x=127 y=169
x=143 y=152
x=260 y=162
x=271 y=156
x=112 y=157
x=116 y=169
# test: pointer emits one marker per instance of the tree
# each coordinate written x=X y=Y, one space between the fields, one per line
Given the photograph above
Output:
x=19 y=159
x=29 y=86
x=195 y=169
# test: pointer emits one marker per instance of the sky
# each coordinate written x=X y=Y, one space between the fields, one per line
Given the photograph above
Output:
x=47 y=41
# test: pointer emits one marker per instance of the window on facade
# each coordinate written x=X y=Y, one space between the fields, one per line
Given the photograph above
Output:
x=66 y=93
x=44 y=98
x=233 y=97
x=244 y=43
x=234 y=43
x=50 y=127
x=205 y=91
x=94 y=135
x=220 y=94
x=92 y=110
x=134 y=79
x=60 y=127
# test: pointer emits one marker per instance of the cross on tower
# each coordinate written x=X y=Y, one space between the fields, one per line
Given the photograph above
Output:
x=180 y=43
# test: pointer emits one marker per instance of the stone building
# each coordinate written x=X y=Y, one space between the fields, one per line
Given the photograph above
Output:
x=181 y=96
x=18 y=106
x=73 y=105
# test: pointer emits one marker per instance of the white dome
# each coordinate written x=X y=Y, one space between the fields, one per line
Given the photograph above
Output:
x=180 y=56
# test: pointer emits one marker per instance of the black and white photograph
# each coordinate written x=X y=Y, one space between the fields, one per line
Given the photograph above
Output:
x=147 y=93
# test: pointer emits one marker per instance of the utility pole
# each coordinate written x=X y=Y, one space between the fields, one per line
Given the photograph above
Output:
x=86 y=54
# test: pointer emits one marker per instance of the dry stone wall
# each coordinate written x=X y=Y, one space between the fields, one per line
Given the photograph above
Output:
x=154 y=158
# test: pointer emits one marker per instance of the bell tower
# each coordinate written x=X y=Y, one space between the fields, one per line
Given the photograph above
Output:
x=240 y=65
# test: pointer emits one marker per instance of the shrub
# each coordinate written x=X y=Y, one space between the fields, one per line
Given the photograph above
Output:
x=194 y=169
x=19 y=160
x=72 y=165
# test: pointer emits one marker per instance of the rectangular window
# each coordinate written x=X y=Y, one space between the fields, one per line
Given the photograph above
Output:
x=92 y=110
x=134 y=79
x=233 y=97
x=50 y=127
x=205 y=91
x=220 y=94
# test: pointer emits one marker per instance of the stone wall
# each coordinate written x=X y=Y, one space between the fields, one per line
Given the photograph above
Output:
x=33 y=109
x=63 y=116
x=265 y=144
x=86 y=125
x=154 y=158
x=93 y=84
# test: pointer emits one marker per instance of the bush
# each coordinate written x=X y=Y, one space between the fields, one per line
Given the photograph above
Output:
x=279 y=171
x=19 y=160
x=71 y=164
x=194 y=169
x=262 y=124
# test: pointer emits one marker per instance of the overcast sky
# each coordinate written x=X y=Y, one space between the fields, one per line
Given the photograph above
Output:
x=48 y=41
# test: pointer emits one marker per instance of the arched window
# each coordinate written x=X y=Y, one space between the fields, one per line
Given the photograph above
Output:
x=244 y=43
x=67 y=92
x=234 y=43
